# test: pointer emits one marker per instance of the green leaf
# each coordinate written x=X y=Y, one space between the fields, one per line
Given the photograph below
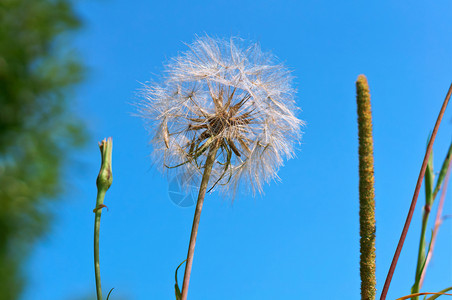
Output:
x=429 y=179
x=178 y=293
x=442 y=173
x=424 y=255
x=176 y=286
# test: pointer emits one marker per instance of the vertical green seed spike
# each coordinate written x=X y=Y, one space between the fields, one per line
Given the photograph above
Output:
x=366 y=191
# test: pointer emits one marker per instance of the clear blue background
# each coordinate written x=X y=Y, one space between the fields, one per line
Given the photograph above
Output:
x=301 y=239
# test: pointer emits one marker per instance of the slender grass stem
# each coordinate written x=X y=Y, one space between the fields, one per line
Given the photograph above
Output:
x=430 y=195
x=366 y=191
x=421 y=253
x=438 y=221
x=428 y=185
x=104 y=181
x=100 y=201
x=210 y=160
x=415 y=196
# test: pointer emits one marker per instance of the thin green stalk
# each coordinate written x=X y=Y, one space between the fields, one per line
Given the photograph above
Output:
x=366 y=191
x=104 y=181
x=384 y=292
x=430 y=195
x=438 y=219
x=210 y=160
x=421 y=255
x=428 y=183
x=100 y=200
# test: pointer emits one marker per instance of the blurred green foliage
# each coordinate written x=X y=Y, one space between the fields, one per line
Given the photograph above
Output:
x=37 y=129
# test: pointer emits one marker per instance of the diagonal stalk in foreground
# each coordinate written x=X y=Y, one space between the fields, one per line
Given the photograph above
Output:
x=415 y=196
x=366 y=191
x=104 y=181
x=210 y=160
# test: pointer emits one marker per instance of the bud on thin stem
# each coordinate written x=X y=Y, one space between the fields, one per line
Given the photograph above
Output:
x=105 y=177
x=104 y=181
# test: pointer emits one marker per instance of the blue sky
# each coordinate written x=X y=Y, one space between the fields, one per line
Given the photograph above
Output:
x=301 y=239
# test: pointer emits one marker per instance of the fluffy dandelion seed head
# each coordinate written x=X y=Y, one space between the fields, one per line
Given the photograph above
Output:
x=229 y=95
